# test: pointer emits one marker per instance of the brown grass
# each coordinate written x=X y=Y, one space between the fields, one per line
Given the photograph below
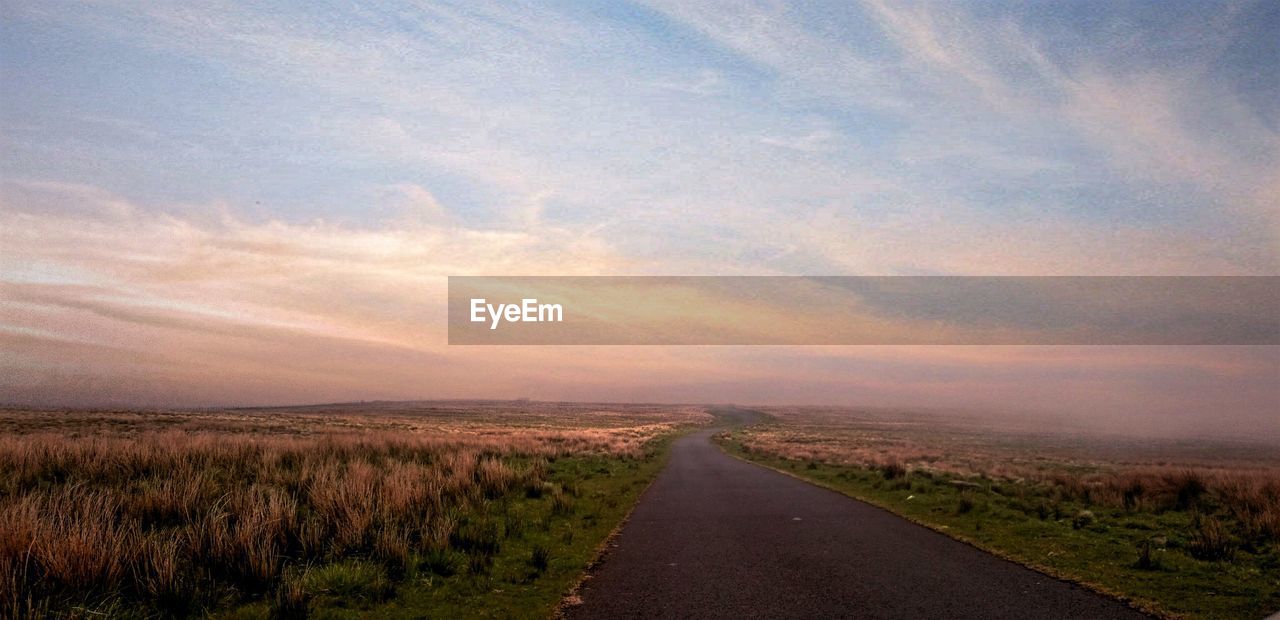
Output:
x=1240 y=481
x=222 y=505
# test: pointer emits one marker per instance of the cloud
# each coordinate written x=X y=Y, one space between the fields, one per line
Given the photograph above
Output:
x=908 y=124
x=220 y=202
x=365 y=283
x=774 y=36
x=226 y=311
x=990 y=106
x=1144 y=124
x=813 y=142
x=703 y=83
x=416 y=203
x=1168 y=124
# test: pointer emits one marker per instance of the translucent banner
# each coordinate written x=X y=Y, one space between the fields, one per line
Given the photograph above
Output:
x=853 y=310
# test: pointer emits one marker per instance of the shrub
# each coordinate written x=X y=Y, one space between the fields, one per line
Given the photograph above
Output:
x=1148 y=555
x=561 y=503
x=348 y=581
x=1210 y=541
x=540 y=558
x=533 y=490
x=480 y=536
x=478 y=564
x=292 y=598
x=1132 y=495
x=513 y=522
x=1190 y=487
x=893 y=469
x=392 y=551
x=1083 y=519
x=443 y=561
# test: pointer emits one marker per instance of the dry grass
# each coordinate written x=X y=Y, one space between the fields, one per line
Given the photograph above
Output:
x=1181 y=527
x=1241 y=481
x=217 y=506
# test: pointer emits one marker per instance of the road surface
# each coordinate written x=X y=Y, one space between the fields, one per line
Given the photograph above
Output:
x=716 y=537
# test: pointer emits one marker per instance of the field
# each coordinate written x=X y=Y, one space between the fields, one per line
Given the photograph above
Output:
x=494 y=509
x=399 y=509
x=1178 y=528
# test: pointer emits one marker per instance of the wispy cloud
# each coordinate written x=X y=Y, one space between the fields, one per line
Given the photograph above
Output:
x=1018 y=107
x=225 y=195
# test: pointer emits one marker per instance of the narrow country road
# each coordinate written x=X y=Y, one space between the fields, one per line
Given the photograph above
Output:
x=716 y=537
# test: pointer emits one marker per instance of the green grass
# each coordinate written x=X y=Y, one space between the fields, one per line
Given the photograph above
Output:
x=1140 y=556
x=515 y=558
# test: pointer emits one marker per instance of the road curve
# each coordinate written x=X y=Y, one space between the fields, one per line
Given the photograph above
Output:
x=716 y=537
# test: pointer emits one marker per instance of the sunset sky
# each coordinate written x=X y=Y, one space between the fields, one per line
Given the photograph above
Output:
x=242 y=204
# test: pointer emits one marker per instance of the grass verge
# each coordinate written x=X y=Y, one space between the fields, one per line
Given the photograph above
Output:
x=515 y=557
x=1174 y=563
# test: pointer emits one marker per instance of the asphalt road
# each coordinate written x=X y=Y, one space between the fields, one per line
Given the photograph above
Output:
x=716 y=537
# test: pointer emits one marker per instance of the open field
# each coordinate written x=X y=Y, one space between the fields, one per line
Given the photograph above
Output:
x=1187 y=528
x=403 y=509
x=493 y=509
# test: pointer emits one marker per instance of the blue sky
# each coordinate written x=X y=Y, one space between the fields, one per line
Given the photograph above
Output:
x=884 y=118
x=249 y=159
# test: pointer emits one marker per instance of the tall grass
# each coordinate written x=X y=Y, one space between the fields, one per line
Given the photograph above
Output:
x=1241 y=494
x=1250 y=497
x=179 y=521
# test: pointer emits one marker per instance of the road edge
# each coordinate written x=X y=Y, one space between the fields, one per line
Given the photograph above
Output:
x=1149 y=608
x=570 y=598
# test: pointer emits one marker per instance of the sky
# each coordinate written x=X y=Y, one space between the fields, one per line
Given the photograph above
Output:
x=259 y=203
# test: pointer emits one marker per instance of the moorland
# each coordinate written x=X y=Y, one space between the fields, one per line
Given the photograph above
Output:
x=395 y=509
x=1179 y=527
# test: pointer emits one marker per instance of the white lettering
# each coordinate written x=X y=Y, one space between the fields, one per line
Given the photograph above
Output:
x=496 y=313
x=527 y=311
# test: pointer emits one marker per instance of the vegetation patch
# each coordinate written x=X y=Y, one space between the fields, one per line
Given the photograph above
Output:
x=1180 y=542
x=187 y=521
